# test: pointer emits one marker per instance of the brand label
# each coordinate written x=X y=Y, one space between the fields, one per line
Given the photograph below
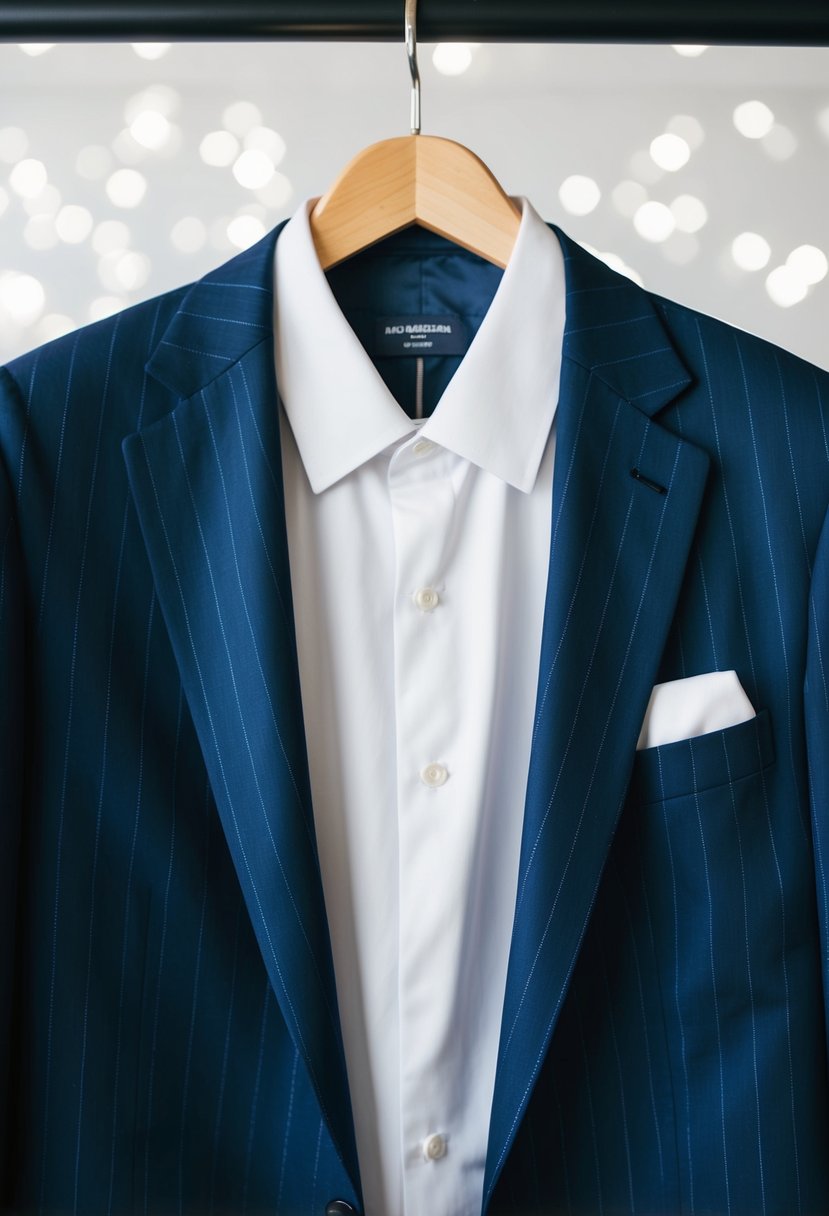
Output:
x=423 y=335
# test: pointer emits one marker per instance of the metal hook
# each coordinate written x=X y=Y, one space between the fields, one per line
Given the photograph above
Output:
x=411 y=51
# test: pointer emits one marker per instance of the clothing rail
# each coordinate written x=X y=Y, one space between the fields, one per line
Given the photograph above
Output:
x=735 y=22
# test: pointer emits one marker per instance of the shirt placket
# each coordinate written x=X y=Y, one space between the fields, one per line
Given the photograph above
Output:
x=429 y=781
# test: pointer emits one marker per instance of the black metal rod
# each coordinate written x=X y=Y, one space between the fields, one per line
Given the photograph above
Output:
x=729 y=22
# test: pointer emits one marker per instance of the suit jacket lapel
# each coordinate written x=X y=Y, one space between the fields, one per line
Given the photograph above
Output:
x=207 y=483
x=619 y=547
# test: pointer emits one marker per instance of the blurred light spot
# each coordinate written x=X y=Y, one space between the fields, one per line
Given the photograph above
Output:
x=628 y=196
x=127 y=148
x=670 y=152
x=240 y=116
x=93 y=162
x=253 y=169
x=579 y=195
x=110 y=235
x=823 y=122
x=688 y=128
x=277 y=192
x=132 y=270
x=105 y=306
x=123 y=270
x=28 y=177
x=21 y=296
x=785 y=287
x=244 y=231
x=159 y=97
x=35 y=48
x=53 y=325
x=73 y=224
x=753 y=119
x=188 y=234
x=264 y=139
x=45 y=202
x=680 y=248
x=452 y=58
x=654 y=221
x=750 y=251
x=150 y=50
x=151 y=129
x=690 y=213
x=780 y=142
x=13 y=144
x=4 y=200
x=39 y=232
x=126 y=187
x=809 y=263
x=643 y=167
x=219 y=148
x=688 y=50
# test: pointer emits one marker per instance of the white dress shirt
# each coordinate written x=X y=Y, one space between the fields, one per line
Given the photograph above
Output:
x=419 y=559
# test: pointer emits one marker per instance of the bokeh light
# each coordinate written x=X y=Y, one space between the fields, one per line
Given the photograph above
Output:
x=579 y=195
x=73 y=223
x=452 y=58
x=126 y=187
x=151 y=50
x=753 y=119
x=28 y=177
x=654 y=221
x=750 y=251
x=670 y=152
x=785 y=286
x=690 y=213
x=219 y=148
x=253 y=168
x=240 y=116
x=188 y=234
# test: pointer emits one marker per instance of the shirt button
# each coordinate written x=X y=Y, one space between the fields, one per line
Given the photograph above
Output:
x=426 y=599
x=434 y=774
x=422 y=447
x=434 y=1147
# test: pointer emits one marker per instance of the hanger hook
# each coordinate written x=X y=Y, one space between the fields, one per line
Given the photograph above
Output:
x=411 y=51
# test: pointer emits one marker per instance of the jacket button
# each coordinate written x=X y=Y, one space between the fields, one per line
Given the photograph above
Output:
x=339 y=1207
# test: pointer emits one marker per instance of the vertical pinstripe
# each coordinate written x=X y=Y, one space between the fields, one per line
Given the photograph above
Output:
x=750 y=982
x=714 y=997
x=72 y=677
x=188 y=1058
x=156 y=1006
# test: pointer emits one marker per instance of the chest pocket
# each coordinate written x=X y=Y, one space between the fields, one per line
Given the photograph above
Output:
x=693 y=767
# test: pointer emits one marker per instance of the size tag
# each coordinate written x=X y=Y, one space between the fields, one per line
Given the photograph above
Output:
x=424 y=335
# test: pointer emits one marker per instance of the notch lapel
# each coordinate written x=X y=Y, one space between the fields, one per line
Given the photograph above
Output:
x=618 y=552
x=207 y=484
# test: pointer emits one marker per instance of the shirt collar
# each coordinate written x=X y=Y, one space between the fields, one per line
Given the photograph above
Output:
x=498 y=407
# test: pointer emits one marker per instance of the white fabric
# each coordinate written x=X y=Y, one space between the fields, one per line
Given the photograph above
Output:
x=697 y=705
x=419 y=559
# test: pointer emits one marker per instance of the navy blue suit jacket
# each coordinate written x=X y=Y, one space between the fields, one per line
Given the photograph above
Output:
x=169 y=1037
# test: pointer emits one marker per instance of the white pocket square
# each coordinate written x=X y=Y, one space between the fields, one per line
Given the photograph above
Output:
x=683 y=709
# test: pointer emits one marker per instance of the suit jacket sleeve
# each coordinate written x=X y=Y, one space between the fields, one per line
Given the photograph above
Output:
x=817 y=741
x=11 y=758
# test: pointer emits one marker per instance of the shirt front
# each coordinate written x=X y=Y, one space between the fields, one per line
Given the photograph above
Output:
x=418 y=527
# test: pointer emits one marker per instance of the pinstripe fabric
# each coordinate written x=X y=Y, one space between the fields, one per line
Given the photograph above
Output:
x=169 y=1030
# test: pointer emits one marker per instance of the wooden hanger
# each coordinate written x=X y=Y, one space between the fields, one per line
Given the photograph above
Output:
x=414 y=179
